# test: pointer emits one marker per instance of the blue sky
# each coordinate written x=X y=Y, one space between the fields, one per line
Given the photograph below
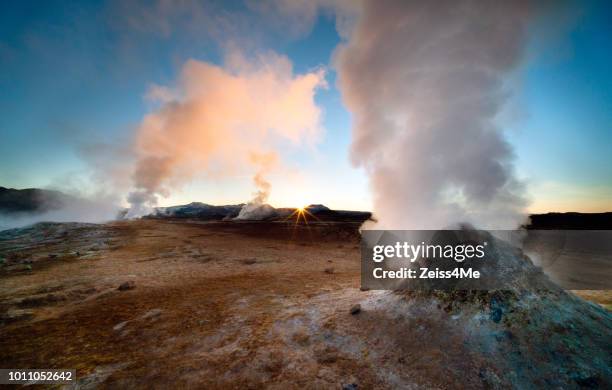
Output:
x=564 y=142
x=76 y=75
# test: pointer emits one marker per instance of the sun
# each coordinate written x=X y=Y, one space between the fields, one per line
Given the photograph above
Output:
x=301 y=213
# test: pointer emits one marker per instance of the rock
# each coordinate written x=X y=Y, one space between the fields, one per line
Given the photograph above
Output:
x=588 y=381
x=272 y=362
x=527 y=320
x=350 y=386
x=301 y=337
x=249 y=261
x=326 y=355
x=129 y=285
x=41 y=300
x=153 y=313
x=120 y=326
x=16 y=315
x=97 y=377
x=489 y=378
x=497 y=310
x=355 y=309
x=329 y=270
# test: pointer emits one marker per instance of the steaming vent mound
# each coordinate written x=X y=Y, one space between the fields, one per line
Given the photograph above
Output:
x=257 y=212
x=530 y=335
x=197 y=210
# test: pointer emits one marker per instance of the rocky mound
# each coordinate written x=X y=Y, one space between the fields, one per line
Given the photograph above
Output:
x=257 y=212
x=530 y=335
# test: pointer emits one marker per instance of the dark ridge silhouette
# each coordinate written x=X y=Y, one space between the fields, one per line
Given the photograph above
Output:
x=571 y=221
x=206 y=212
x=30 y=200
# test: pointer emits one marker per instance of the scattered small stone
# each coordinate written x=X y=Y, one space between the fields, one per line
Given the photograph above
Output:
x=249 y=261
x=120 y=326
x=301 y=338
x=52 y=256
x=329 y=261
x=585 y=380
x=326 y=355
x=497 y=307
x=350 y=386
x=152 y=314
x=496 y=314
x=329 y=270
x=98 y=376
x=16 y=315
x=41 y=300
x=104 y=294
x=129 y=285
x=87 y=291
x=355 y=309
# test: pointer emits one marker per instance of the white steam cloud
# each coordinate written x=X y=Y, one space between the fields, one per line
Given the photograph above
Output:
x=257 y=208
x=221 y=120
x=59 y=207
x=424 y=82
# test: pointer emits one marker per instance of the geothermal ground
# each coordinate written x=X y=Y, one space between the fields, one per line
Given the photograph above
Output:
x=178 y=303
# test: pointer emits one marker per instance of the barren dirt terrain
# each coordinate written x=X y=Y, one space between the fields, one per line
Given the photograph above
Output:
x=186 y=304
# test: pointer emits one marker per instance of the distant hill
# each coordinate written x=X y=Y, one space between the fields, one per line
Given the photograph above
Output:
x=322 y=213
x=569 y=221
x=36 y=201
x=30 y=200
x=203 y=211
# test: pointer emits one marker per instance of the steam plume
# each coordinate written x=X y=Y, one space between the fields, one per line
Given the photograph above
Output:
x=424 y=82
x=257 y=208
x=263 y=189
x=217 y=118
